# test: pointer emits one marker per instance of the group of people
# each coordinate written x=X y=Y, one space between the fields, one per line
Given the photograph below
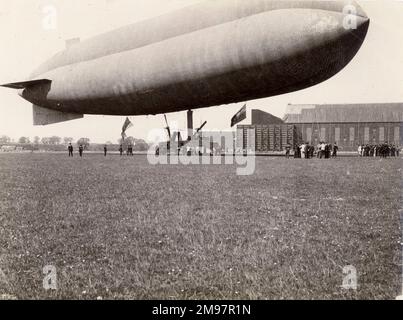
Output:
x=307 y=151
x=378 y=150
x=81 y=150
x=326 y=150
x=129 y=151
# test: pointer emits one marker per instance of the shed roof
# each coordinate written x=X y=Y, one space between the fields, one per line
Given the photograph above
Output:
x=344 y=113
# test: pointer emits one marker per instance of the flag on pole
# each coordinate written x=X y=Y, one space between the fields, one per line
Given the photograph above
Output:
x=126 y=126
x=240 y=116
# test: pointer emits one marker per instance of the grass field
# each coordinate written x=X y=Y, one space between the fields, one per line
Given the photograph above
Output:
x=119 y=228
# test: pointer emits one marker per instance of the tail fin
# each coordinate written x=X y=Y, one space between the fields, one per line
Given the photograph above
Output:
x=43 y=116
x=26 y=84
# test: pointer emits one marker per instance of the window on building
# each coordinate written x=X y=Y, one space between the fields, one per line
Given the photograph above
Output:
x=352 y=134
x=366 y=134
x=381 y=134
x=240 y=138
x=252 y=139
x=323 y=134
x=374 y=131
x=308 y=134
x=337 y=134
x=397 y=135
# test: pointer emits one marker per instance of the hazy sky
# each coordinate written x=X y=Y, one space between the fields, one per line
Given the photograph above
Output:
x=375 y=74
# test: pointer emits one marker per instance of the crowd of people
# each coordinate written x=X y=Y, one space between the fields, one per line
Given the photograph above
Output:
x=322 y=151
x=378 y=150
x=326 y=150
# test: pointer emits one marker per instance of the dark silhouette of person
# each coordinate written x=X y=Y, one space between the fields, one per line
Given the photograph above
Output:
x=130 y=150
x=327 y=151
x=297 y=152
x=71 y=149
x=81 y=150
x=121 y=150
x=105 y=150
x=287 y=151
x=335 y=150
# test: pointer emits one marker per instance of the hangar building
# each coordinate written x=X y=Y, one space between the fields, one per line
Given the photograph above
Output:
x=347 y=124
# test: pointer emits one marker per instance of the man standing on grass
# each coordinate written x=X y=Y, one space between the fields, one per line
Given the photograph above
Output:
x=326 y=152
x=105 y=150
x=70 y=148
x=335 y=150
x=303 y=149
x=81 y=150
x=323 y=152
x=287 y=151
x=312 y=152
x=130 y=150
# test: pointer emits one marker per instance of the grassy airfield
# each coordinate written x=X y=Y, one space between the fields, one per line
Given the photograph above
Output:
x=120 y=228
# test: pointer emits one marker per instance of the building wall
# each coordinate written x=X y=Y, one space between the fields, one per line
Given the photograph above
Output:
x=349 y=135
x=264 y=138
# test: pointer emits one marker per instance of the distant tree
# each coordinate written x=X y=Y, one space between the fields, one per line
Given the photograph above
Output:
x=37 y=140
x=127 y=141
x=45 y=140
x=24 y=140
x=5 y=139
x=141 y=145
x=55 y=140
x=85 y=142
x=67 y=140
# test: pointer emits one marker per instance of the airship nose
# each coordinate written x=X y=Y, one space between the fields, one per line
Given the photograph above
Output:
x=355 y=17
x=350 y=7
x=316 y=44
x=358 y=25
x=352 y=15
x=353 y=8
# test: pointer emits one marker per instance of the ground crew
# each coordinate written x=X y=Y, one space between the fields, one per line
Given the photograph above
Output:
x=81 y=150
x=335 y=149
x=130 y=150
x=287 y=151
x=71 y=149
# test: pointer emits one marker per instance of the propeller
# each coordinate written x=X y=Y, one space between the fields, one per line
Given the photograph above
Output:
x=197 y=132
x=202 y=126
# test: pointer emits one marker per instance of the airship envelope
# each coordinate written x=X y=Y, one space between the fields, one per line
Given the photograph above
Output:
x=213 y=53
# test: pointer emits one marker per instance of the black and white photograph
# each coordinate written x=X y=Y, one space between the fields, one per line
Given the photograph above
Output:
x=214 y=151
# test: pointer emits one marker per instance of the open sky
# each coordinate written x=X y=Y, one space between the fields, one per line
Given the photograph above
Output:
x=374 y=76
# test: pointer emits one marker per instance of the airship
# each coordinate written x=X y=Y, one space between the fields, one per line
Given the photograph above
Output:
x=213 y=53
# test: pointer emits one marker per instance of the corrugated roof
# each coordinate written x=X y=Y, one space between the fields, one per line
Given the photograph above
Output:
x=260 y=117
x=344 y=113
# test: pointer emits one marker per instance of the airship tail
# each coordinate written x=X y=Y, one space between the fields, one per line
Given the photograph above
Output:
x=44 y=116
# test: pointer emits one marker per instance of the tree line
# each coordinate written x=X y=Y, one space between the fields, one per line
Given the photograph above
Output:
x=58 y=144
x=54 y=140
